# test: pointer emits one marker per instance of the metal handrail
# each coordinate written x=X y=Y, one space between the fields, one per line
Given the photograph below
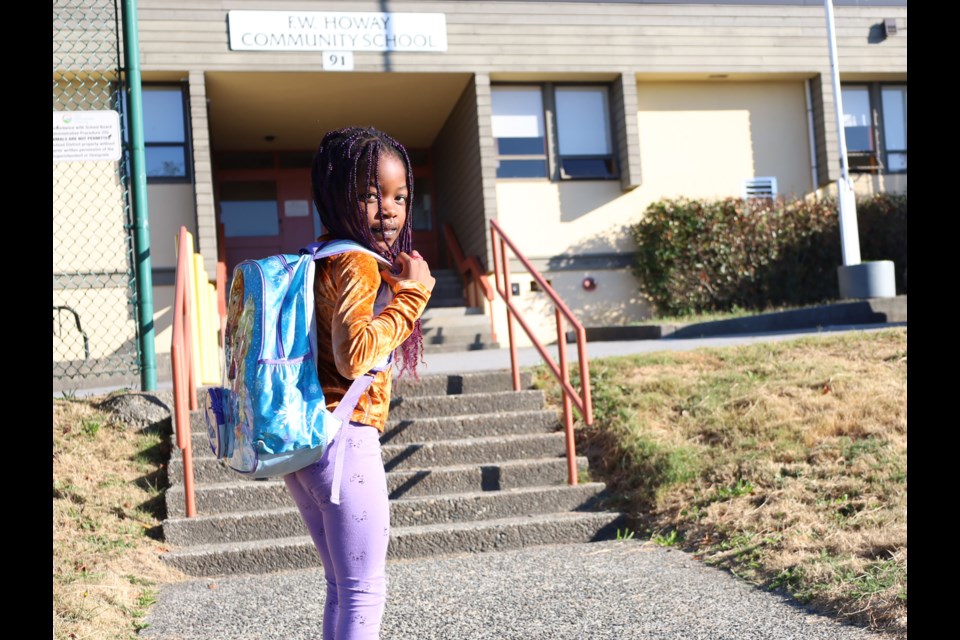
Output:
x=581 y=400
x=181 y=355
x=470 y=269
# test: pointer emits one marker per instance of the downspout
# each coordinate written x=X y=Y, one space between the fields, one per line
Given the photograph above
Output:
x=138 y=194
x=813 y=143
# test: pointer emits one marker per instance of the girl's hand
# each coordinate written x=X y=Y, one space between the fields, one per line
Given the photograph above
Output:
x=414 y=267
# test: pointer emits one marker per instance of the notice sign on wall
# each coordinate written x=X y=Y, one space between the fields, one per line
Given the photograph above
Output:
x=86 y=135
x=336 y=31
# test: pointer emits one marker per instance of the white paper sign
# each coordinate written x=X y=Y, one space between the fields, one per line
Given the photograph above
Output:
x=296 y=208
x=336 y=31
x=86 y=136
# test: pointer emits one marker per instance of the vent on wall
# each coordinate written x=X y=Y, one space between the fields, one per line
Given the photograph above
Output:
x=765 y=187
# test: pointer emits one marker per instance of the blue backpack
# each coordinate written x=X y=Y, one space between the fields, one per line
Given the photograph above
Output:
x=269 y=417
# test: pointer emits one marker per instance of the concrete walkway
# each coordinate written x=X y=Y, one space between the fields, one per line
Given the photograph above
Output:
x=612 y=590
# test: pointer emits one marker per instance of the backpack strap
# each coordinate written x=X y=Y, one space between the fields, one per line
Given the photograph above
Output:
x=335 y=247
x=348 y=403
x=343 y=412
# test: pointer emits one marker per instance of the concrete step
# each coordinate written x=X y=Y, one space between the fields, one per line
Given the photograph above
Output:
x=457 y=384
x=457 y=347
x=407 y=386
x=441 y=451
x=439 y=302
x=397 y=457
x=278 y=554
x=286 y=521
x=466 y=338
x=480 y=322
x=470 y=426
x=448 y=428
x=234 y=493
x=420 y=455
x=410 y=407
x=451 y=312
x=218 y=489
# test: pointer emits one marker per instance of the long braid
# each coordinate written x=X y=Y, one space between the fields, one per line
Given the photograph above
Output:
x=346 y=157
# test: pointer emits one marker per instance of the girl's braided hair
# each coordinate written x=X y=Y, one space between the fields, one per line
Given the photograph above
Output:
x=346 y=162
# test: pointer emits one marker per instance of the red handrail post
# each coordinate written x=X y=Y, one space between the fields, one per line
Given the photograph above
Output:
x=567 y=409
x=584 y=376
x=562 y=371
x=183 y=432
x=507 y=293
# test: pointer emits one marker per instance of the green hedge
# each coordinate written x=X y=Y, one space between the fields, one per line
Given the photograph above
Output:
x=698 y=256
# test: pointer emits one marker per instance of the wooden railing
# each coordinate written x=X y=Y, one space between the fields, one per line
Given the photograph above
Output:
x=581 y=400
x=476 y=283
x=181 y=355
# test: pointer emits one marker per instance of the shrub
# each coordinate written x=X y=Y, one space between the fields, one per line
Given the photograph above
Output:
x=698 y=256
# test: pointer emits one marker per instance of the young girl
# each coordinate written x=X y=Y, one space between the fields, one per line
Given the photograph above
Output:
x=363 y=187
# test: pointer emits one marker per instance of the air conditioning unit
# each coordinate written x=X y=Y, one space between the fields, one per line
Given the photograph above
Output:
x=760 y=187
x=890 y=27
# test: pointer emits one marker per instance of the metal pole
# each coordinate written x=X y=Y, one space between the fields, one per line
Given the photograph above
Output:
x=849 y=240
x=507 y=293
x=567 y=405
x=138 y=194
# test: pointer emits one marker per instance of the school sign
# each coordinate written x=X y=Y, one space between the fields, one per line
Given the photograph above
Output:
x=334 y=30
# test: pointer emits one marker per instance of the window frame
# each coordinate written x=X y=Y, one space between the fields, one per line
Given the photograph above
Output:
x=187 y=177
x=553 y=157
x=877 y=161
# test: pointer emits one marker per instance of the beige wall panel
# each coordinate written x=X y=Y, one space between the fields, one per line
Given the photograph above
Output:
x=163 y=298
x=492 y=36
x=547 y=219
x=171 y=206
x=615 y=302
x=704 y=140
x=98 y=311
x=88 y=223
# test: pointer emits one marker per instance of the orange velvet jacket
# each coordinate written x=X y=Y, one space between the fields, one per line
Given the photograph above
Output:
x=351 y=339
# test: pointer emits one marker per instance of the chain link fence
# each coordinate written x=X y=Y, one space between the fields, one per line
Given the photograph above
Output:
x=95 y=327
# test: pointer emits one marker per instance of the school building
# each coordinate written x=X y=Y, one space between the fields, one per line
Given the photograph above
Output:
x=560 y=120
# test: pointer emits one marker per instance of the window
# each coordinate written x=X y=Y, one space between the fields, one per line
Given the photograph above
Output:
x=249 y=209
x=577 y=146
x=875 y=127
x=165 y=127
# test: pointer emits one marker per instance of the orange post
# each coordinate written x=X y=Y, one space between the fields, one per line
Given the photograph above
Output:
x=571 y=398
x=181 y=350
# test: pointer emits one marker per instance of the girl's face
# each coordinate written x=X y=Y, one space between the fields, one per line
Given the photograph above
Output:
x=393 y=193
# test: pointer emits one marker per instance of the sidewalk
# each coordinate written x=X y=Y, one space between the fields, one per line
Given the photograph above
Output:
x=611 y=590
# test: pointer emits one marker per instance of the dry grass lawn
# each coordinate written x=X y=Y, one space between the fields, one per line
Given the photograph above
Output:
x=108 y=507
x=784 y=463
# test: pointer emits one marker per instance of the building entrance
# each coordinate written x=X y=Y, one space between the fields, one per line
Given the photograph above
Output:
x=265 y=206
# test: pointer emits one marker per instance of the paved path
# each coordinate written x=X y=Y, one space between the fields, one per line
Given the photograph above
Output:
x=612 y=590
x=488 y=360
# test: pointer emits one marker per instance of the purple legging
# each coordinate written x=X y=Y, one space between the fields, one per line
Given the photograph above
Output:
x=351 y=537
